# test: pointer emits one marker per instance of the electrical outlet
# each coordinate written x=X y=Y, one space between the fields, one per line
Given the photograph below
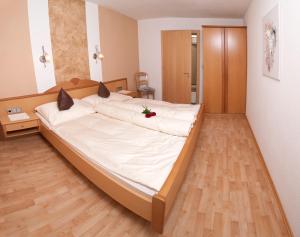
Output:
x=14 y=110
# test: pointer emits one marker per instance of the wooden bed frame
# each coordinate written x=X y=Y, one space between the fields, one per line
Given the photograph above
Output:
x=154 y=209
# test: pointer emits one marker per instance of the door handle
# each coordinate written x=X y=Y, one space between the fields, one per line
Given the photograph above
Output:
x=187 y=75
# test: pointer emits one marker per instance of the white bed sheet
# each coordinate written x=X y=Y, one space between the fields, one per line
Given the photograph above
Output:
x=104 y=140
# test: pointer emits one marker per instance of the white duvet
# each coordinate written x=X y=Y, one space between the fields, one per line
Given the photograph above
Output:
x=185 y=112
x=167 y=110
x=142 y=155
x=150 y=102
x=159 y=123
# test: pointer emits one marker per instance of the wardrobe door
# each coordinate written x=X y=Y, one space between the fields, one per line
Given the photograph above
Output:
x=236 y=70
x=213 y=56
x=177 y=66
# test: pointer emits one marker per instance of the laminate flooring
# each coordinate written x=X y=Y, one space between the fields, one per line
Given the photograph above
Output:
x=226 y=191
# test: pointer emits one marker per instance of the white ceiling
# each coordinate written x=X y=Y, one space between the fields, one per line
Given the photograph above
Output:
x=143 y=9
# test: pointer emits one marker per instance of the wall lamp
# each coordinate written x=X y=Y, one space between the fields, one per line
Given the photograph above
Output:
x=45 y=58
x=97 y=55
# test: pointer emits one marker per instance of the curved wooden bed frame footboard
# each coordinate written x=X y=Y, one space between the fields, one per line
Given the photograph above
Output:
x=154 y=209
x=132 y=199
x=163 y=201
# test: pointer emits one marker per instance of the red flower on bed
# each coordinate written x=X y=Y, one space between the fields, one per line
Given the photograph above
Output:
x=148 y=113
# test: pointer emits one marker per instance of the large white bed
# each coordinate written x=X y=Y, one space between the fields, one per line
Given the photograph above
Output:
x=139 y=156
x=139 y=162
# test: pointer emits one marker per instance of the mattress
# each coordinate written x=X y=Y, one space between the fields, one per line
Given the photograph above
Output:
x=141 y=157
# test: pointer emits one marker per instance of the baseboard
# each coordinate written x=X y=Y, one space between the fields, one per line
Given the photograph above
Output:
x=262 y=160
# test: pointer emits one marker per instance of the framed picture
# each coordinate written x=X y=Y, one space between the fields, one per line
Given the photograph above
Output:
x=271 y=44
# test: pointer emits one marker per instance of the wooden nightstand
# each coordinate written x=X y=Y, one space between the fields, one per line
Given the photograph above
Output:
x=20 y=127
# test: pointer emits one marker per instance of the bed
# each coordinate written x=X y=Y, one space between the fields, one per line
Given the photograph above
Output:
x=152 y=201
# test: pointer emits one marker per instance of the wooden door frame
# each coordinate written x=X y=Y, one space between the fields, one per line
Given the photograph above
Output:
x=198 y=65
x=198 y=62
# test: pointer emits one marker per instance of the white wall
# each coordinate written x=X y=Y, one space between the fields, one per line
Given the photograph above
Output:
x=273 y=107
x=38 y=15
x=150 y=43
x=93 y=38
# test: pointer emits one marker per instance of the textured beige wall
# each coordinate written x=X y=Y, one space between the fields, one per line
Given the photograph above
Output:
x=69 y=39
x=119 y=44
x=16 y=65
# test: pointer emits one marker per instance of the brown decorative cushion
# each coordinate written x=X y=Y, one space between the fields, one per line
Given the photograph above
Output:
x=64 y=100
x=103 y=91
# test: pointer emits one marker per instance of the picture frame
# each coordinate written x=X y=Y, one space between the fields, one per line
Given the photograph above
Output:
x=271 y=39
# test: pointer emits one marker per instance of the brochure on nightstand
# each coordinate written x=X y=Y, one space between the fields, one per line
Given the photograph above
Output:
x=17 y=117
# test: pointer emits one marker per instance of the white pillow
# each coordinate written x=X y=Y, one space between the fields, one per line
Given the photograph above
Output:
x=95 y=99
x=54 y=117
x=119 y=97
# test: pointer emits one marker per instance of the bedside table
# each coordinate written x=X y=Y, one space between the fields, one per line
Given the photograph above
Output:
x=20 y=127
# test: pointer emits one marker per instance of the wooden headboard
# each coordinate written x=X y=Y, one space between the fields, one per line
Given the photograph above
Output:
x=76 y=83
x=77 y=88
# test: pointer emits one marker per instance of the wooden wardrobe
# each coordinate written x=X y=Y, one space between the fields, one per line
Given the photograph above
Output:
x=225 y=69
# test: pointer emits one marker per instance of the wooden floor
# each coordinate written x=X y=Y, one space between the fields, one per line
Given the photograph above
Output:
x=226 y=192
